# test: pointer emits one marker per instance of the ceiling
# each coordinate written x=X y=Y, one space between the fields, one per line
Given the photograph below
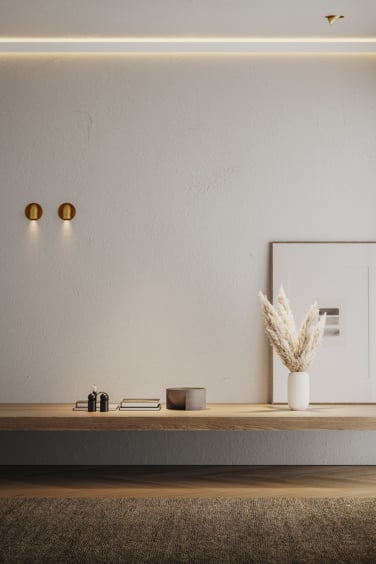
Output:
x=187 y=18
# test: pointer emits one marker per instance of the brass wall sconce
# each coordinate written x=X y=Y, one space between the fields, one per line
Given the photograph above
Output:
x=332 y=18
x=66 y=211
x=33 y=211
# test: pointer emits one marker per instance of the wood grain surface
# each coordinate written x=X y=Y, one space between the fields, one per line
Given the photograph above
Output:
x=188 y=481
x=217 y=417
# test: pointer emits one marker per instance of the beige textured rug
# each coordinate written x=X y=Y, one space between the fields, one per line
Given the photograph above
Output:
x=220 y=530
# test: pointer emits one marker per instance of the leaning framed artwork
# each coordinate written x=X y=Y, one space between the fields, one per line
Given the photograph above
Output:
x=341 y=277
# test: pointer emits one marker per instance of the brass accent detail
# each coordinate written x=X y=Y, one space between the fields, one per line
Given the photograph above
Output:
x=33 y=211
x=332 y=18
x=66 y=211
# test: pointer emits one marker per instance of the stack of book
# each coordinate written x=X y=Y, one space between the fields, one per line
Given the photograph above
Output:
x=82 y=405
x=140 y=404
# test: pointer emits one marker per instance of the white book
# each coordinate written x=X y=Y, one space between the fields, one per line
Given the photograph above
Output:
x=140 y=402
x=154 y=408
x=111 y=407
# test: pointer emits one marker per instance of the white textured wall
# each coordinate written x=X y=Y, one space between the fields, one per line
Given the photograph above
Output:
x=182 y=169
x=242 y=18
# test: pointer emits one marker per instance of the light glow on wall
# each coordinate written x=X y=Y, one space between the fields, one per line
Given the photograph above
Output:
x=186 y=44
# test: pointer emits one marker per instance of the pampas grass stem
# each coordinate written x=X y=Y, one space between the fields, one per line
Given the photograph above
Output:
x=296 y=348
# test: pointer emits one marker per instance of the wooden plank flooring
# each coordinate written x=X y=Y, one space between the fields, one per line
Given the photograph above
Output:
x=188 y=481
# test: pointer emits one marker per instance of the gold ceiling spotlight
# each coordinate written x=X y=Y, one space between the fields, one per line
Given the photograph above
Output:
x=332 y=18
x=66 y=211
x=33 y=211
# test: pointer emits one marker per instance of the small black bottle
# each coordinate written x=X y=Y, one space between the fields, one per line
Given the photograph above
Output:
x=104 y=401
x=92 y=402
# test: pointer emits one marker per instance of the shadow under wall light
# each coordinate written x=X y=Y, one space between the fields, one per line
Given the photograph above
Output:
x=33 y=211
x=66 y=211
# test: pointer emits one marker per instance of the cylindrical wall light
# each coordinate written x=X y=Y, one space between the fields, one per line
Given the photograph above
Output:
x=33 y=211
x=66 y=211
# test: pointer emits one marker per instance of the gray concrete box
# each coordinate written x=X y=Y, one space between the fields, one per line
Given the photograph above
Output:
x=188 y=399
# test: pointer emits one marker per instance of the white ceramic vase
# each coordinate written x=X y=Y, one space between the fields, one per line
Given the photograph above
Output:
x=298 y=391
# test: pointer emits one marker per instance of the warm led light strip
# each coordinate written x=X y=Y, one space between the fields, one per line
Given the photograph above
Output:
x=187 y=45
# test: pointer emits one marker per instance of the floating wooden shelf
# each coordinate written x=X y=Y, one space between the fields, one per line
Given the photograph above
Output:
x=217 y=417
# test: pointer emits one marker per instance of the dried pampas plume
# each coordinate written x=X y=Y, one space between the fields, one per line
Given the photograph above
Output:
x=296 y=348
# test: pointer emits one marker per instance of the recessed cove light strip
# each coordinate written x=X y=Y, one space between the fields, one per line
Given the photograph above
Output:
x=187 y=45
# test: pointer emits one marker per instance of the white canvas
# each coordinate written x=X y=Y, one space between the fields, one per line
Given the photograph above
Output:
x=341 y=278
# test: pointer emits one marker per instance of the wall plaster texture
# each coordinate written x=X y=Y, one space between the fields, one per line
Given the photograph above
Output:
x=182 y=170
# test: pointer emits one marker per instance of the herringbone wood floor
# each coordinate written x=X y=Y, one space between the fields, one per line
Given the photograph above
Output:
x=188 y=481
